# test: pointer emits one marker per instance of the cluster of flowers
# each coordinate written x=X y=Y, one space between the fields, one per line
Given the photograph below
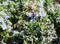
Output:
x=38 y=28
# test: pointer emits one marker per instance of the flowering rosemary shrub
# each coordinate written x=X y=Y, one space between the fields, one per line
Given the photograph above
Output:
x=29 y=22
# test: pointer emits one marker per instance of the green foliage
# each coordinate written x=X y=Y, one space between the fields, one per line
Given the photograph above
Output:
x=21 y=21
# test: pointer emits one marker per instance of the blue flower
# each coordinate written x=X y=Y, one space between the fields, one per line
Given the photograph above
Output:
x=3 y=23
x=49 y=32
x=15 y=32
x=18 y=4
x=33 y=20
x=29 y=14
x=44 y=38
x=56 y=37
x=14 y=42
x=42 y=13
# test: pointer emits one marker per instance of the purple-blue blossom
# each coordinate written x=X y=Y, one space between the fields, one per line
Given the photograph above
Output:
x=15 y=32
x=44 y=38
x=42 y=13
x=33 y=20
x=29 y=14
x=49 y=32
x=14 y=42
x=56 y=37
x=3 y=25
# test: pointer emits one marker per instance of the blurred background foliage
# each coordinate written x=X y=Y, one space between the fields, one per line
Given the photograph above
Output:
x=29 y=22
